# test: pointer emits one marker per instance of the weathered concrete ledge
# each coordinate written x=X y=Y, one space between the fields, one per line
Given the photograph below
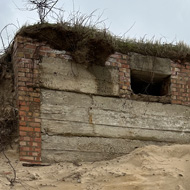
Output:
x=61 y=74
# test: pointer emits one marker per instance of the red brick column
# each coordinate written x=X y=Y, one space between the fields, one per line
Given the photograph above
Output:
x=120 y=61
x=180 y=83
x=26 y=70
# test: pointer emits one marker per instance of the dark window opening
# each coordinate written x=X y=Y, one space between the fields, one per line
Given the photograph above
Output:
x=149 y=83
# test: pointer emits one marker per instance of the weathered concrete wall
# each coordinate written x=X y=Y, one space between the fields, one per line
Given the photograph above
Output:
x=80 y=121
x=150 y=64
x=61 y=74
x=107 y=126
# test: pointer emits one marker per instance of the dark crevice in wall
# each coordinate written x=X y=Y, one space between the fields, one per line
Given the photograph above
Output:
x=150 y=83
x=149 y=86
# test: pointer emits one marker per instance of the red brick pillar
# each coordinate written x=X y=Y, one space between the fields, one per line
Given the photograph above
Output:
x=124 y=77
x=120 y=61
x=26 y=70
x=180 y=83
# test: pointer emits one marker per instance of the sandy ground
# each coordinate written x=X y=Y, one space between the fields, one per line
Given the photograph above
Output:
x=148 y=168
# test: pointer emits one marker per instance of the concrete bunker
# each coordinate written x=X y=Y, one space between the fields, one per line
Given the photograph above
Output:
x=69 y=112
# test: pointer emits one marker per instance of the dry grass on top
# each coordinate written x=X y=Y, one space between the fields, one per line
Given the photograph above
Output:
x=180 y=51
x=88 y=44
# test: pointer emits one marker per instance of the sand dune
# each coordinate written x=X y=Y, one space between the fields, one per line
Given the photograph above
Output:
x=148 y=168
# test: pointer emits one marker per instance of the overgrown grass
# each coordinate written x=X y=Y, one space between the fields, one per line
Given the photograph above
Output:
x=86 y=44
x=89 y=45
x=8 y=115
x=8 y=127
x=180 y=51
x=5 y=63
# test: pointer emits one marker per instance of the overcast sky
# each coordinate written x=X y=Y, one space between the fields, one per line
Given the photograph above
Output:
x=163 y=19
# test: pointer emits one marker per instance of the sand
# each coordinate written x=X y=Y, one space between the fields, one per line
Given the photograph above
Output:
x=148 y=168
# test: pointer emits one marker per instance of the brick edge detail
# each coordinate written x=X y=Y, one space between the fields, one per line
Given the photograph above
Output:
x=120 y=61
x=26 y=72
x=180 y=83
x=27 y=55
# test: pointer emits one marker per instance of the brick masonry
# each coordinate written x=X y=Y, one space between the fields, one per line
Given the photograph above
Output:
x=121 y=62
x=27 y=55
x=26 y=69
x=180 y=83
x=180 y=79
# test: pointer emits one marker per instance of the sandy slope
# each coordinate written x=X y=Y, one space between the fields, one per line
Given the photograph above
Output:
x=149 y=168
